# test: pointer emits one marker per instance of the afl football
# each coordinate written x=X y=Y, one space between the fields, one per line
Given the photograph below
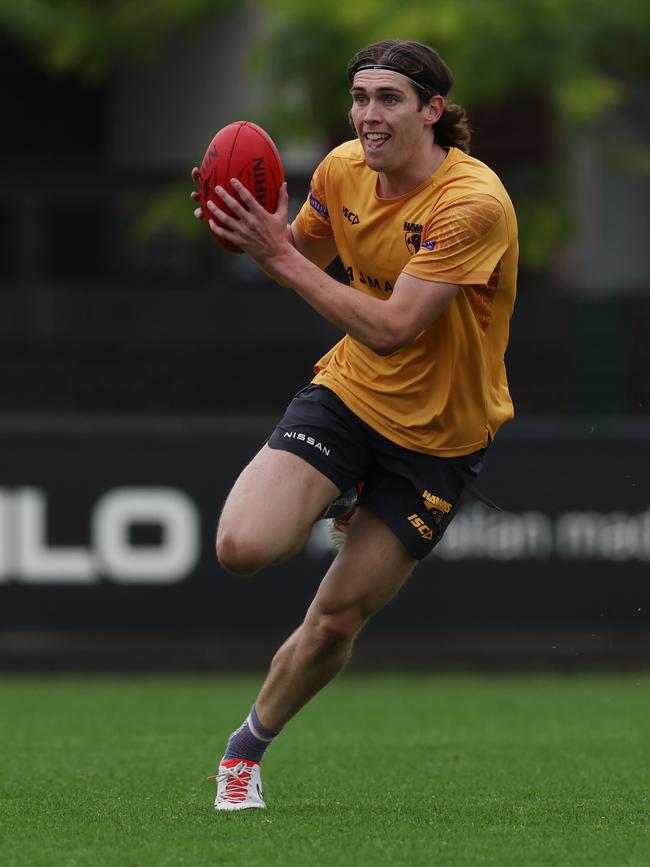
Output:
x=244 y=151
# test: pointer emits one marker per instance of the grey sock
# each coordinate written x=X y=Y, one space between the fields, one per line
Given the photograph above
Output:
x=251 y=740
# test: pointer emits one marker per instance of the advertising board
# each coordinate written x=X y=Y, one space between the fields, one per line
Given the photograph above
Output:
x=111 y=525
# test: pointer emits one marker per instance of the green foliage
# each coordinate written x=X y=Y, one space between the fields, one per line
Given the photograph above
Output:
x=585 y=54
x=168 y=210
x=586 y=57
x=86 y=38
x=634 y=160
x=543 y=227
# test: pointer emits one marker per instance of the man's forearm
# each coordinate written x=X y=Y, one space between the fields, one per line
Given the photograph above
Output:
x=359 y=315
x=383 y=326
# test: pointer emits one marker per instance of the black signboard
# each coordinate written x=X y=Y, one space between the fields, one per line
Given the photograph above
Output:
x=108 y=526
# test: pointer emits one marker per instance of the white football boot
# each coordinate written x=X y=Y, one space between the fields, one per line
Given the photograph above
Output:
x=338 y=530
x=239 y=785
x=338 y=524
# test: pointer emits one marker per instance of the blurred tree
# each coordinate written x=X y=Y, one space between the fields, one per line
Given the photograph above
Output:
x=583 y=57
x=88 y=38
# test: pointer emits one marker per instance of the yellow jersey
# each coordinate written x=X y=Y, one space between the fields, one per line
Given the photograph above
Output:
x=446 y=392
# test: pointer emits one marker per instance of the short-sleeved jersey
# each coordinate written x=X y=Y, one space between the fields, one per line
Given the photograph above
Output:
x=446 y=392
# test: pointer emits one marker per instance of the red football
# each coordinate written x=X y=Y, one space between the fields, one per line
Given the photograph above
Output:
x=244 y=151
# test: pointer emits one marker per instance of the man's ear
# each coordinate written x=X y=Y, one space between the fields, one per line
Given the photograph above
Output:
x=434 y=109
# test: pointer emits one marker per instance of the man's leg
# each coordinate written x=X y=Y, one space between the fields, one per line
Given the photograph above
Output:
x=266 y=518
x=367 y=573
x=270 y=511
x=370 y=569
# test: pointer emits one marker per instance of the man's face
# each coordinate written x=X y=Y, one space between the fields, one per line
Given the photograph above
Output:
x=386 y=115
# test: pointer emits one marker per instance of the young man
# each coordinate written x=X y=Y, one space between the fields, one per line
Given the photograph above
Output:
x=406 y=402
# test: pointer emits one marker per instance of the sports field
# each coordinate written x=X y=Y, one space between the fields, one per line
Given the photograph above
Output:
x=376 y=771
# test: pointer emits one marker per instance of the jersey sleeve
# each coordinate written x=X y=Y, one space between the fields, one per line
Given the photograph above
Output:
x=463 y=243
x=313 y=220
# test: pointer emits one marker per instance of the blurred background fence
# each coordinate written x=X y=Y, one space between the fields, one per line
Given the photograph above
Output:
x=137 y=357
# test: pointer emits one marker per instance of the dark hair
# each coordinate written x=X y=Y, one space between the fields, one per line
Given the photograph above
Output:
x=428 y=70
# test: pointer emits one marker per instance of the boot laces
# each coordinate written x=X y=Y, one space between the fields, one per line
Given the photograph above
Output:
x=237 y=780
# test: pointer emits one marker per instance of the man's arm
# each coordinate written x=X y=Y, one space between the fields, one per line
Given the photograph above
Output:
x=384 y=326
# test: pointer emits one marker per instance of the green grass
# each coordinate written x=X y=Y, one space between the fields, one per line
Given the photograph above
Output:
x=453 y=771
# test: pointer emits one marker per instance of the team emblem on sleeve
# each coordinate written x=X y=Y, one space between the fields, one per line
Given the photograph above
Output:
x=413 y=236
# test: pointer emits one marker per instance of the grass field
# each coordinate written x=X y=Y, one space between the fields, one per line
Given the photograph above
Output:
x=376 y=771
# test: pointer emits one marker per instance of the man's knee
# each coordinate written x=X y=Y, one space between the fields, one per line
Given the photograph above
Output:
x=240 y=552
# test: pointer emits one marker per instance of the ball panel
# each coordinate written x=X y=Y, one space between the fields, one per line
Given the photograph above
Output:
x=215 y=169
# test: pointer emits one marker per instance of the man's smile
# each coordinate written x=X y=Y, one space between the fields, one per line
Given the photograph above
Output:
x=375 y=140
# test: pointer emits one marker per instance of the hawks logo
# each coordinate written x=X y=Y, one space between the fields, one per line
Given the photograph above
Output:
x=413 y=236
x=436 y=506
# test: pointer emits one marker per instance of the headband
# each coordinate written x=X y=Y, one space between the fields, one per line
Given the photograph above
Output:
x=388 y=68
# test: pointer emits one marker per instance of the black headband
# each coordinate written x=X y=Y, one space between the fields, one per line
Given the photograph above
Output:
x=388 y=68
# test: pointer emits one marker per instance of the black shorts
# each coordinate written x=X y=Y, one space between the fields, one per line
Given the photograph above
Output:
x=415 y=494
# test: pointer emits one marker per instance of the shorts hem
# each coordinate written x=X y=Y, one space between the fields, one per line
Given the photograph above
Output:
x=323 y=469
x=416 y=555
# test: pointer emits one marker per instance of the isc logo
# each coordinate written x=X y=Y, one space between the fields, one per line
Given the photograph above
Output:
x=421 y=527
x=27 y=556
